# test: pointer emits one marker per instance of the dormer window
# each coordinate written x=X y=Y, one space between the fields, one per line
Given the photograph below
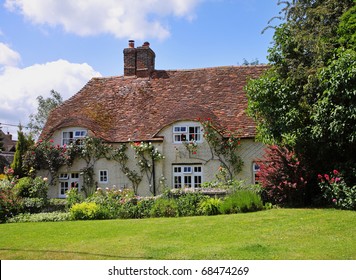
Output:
x=183 y=133
x=73 y=137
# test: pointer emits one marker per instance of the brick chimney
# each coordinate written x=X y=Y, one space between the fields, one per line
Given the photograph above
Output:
x=140 y=61
x=130 y=59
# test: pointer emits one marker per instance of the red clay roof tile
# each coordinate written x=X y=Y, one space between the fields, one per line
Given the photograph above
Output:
x=120 y=108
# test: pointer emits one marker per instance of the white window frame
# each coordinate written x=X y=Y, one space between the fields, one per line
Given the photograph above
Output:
x=187 y=132
x=103 y=176
x=187 y=176
x=73 y=136
x=67 y=181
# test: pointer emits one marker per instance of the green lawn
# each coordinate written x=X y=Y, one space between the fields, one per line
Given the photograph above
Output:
x=273 y=234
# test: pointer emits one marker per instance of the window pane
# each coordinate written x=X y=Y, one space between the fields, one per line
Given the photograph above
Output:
x=187 y=169
x=63 y=176
x=103 y=176
x=177 y=182
x=197 y=169
x=64 y=187
x=197 y=181
x=187 y=181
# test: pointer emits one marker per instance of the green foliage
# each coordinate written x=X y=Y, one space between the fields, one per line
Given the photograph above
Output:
x=33 y=193
x=241 y=201
x=86 y=211
x=73 y=197
x=32 y=187
x=91 y=150
x=22 y=146
x=334 y=114
x=33 y=204
x=188 y=203
x=336 y=192
x=302 y=100
x=347 y=29
x=23 y=186
x=136 y=209
x=146 y=155
x=210 y=206
x=44 y=155
x=40 y=217
x=164 y=207
x=45 y=106
x=224 y=145
x=10 y=203
x=56 y=205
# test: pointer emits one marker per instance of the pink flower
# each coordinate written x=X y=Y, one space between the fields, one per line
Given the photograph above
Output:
x=335 y=172
x=334 y=200
x=320 y=177
x=337 y=179
x=326 y=176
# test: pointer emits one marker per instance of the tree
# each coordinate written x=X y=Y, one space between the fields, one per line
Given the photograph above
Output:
x=22 y=146
x=287 y=99
x=45 y=106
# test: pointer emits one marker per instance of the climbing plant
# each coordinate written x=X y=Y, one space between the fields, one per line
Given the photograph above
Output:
x=146 y=155
x=224 y=145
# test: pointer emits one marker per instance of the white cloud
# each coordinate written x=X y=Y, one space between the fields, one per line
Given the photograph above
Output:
x=20 y=87
x=8 y=57
x=137 y=19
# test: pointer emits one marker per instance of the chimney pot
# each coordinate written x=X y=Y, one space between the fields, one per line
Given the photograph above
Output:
x=131 y=43
x=146 y=44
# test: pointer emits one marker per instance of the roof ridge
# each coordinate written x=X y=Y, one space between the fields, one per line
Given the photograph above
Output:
x=215 y=67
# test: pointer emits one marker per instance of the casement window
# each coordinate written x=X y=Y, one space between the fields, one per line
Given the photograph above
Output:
x=187 y=176
x=68 y=181
x=75 y=136
x=103 y=176
x=255 y=173
x=183 y=133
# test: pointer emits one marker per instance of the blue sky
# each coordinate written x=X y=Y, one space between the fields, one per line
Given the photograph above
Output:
x=61 y=44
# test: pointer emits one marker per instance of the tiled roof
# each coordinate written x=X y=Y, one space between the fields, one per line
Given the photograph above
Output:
x=120 y=108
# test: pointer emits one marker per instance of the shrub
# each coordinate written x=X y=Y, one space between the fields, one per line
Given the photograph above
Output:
x=39 y=188
x=33 y=204
x=136 y=209
x=188 y=203
x=73 y=197
x=56 y=205
x=40 y=217
x=210 y=206
x=282 y=177
x=164 y=207
x=336 y=192
x=23 y=186
x=10 y=203
x=144 y=207
x=128 y=210
x=241 y=201
x=33 y=188
x=85 y=211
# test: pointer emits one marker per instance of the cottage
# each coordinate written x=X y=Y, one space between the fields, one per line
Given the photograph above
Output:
x=163 y=108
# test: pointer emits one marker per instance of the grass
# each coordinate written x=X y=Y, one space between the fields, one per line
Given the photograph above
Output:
x=274 y=234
